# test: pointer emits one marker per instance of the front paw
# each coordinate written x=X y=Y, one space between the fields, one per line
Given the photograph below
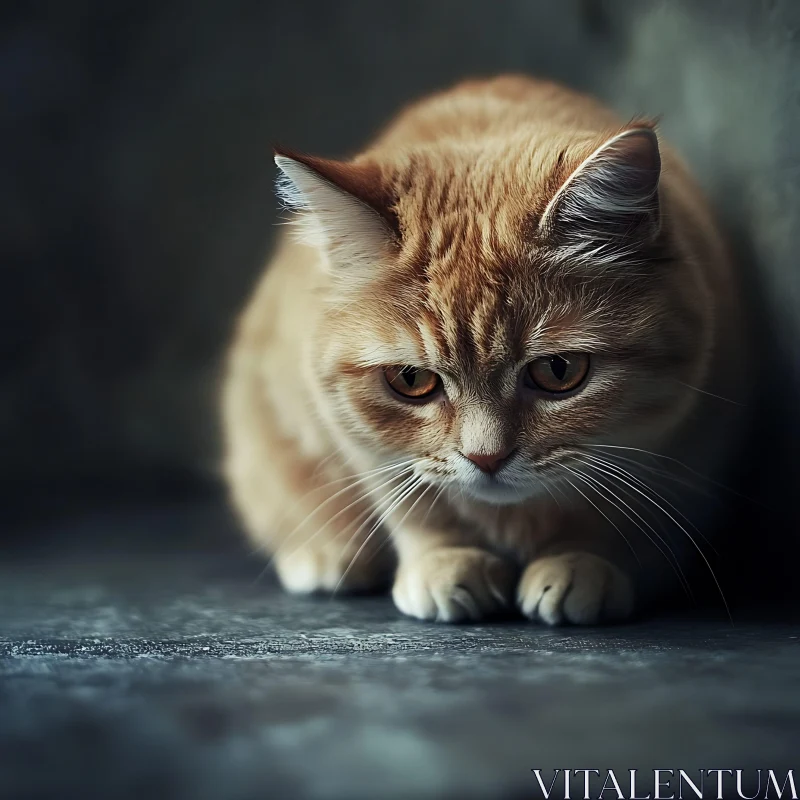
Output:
x=326 y=567
x=575 y=587
x=454 y=584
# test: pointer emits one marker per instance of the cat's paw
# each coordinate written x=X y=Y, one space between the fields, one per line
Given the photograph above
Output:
x=576 y=588
x=454 y=584
x=308 y=569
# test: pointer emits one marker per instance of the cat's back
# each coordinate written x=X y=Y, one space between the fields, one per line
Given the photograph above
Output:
x=495 y=107
x=497 y=124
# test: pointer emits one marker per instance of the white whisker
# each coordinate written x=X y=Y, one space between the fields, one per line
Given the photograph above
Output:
x=374 y=509
x=711 y=394
x=395 y=503
x=687 y=534
x=279 y=551
x=600 y=510
x=624 y=507
x=680 y=464
x=405 y=516
x=619 y=470
x=438 y=494
x=356 y=479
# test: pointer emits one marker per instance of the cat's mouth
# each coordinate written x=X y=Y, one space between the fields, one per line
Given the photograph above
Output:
x=496 y=492
x=509 y=484
x=498 y=488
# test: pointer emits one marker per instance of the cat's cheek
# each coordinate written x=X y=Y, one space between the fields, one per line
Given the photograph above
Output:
x=410 y=427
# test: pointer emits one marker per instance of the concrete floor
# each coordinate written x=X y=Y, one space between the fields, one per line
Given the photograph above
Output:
x=131 y=668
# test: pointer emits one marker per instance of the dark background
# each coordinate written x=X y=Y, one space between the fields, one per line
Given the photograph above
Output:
x=143 y=651
x=136 y=202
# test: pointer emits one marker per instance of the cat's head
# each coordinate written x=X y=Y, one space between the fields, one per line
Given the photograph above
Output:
x=492 y=312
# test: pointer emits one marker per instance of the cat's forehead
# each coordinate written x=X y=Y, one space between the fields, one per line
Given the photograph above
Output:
x=469 y=331
x=460 y=214
x=476 y=300
x=484 y=318
x=475 y=290
x=488 y=326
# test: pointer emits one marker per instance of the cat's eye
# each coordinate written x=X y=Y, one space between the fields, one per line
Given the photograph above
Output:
x=412 y=383
x=560 y=373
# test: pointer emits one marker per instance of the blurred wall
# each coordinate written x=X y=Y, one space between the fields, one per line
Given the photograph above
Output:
x=136 y=204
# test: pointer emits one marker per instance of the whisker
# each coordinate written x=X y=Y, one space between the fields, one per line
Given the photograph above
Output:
x=647 y=487
x=436 y=497
x=339 y=451
x=438 y=494
x=279 y=550
x=395 y=503
x=684 y=466
x=600 y=510
x=413 y=505
x=359 y=478
x=664 y=474
x=374 y=509
x=547 y=489
x=355 y=478
x=711 y=394
x=669 y=555
x=689 y=536
x=557 y=485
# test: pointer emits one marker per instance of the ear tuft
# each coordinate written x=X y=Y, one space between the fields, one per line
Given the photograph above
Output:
x=287 y=187
x=343 y=208
x=608 y=209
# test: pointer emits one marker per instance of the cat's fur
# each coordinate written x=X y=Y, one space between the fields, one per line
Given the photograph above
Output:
x=498 y=222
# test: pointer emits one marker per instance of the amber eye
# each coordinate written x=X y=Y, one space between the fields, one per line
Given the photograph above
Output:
x=560 y=373
x=415 y=384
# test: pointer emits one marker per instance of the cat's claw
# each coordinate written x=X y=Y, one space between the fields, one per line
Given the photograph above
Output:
x=454 y=584
x=576 y=588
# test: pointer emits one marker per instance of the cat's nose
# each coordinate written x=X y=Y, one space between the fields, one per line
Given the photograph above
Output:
x=489 y=462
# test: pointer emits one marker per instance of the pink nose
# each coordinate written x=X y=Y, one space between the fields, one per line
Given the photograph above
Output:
x=489 y=462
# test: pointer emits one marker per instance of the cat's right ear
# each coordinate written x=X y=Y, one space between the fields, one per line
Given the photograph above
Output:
x=342 y=208
x=608 y=208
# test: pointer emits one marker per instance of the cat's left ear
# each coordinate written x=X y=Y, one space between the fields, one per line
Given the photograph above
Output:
x=344 y=209
x=608 y=208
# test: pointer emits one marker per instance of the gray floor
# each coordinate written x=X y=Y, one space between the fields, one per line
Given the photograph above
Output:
x=134 y=669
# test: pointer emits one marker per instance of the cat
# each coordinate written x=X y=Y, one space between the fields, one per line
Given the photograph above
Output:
x=497 y=337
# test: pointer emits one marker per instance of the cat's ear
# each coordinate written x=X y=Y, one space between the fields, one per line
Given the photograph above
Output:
x=343 y=208
x=608 y=208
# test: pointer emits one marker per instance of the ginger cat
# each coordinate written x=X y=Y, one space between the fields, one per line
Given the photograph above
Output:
x=497 y=340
